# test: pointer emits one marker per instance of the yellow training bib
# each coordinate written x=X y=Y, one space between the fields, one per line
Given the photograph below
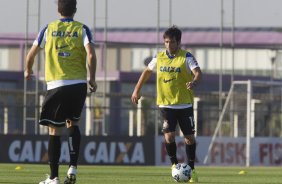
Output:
x=65 y=55
x=172 y=76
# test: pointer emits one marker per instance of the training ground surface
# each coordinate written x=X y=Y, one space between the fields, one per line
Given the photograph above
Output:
x=33 y=173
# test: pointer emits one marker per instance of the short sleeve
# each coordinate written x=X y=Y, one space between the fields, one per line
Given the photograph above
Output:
x=87 y=36
x=191 y=62
x=41 y=38
x=153 y=64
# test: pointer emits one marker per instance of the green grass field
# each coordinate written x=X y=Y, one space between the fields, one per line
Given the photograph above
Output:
x=29 y=174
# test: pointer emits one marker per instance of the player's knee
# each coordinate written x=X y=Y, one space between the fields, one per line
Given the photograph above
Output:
x=169 y=137
x=56 y=131
x=170 y=140
x=189 y=140
x=70 y=123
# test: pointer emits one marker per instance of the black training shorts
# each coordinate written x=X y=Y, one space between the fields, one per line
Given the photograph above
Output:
x=63 y=103
x=183 y=117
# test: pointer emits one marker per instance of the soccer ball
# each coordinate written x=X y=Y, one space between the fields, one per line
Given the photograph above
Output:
x=181 y=172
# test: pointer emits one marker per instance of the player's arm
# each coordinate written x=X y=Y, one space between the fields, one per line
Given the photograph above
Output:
x=92 y=62
x=197 y=73
x=146 y=74
x=29 y=61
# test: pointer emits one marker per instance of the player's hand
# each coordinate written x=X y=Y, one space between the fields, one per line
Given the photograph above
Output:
x=28 y=74
x=191 y=84
x=93 y=86
x=135 y=97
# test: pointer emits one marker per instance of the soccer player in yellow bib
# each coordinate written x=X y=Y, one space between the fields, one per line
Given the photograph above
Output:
x=178 y=73
x=68 y=46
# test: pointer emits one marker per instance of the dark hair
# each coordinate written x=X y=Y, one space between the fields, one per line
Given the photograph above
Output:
x=173 y=32
x=67 y=7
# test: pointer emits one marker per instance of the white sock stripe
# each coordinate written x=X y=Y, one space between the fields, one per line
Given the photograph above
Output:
x=70 y=143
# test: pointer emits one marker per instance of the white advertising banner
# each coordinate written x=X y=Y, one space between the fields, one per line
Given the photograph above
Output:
x=226 y=151
x=99 y=150
x=266 y=151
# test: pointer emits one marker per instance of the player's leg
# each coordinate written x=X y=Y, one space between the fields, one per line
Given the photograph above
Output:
x=50 y=118
x=169 y=125
x=190 y=150
x=191 y=156
x=74 y=138
x=171 y=147
x=74 y=102
x=54 y=153
x=54 y=150
x=187 y=126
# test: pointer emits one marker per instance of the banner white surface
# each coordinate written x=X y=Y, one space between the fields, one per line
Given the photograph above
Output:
x=226 y=151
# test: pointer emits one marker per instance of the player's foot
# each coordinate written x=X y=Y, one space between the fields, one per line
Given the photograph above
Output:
x=50 y=181
x=173 y=166
x=194 y=177
x=71 y=176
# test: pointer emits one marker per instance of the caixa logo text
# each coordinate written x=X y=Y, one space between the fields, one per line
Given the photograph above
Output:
x=92 y=152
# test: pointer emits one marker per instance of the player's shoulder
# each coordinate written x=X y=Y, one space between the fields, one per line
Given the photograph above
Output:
x=183 y=52
x=79 y=23
x=86 y=28
x=54 y=22
x=161 y=53
x=188 y=54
